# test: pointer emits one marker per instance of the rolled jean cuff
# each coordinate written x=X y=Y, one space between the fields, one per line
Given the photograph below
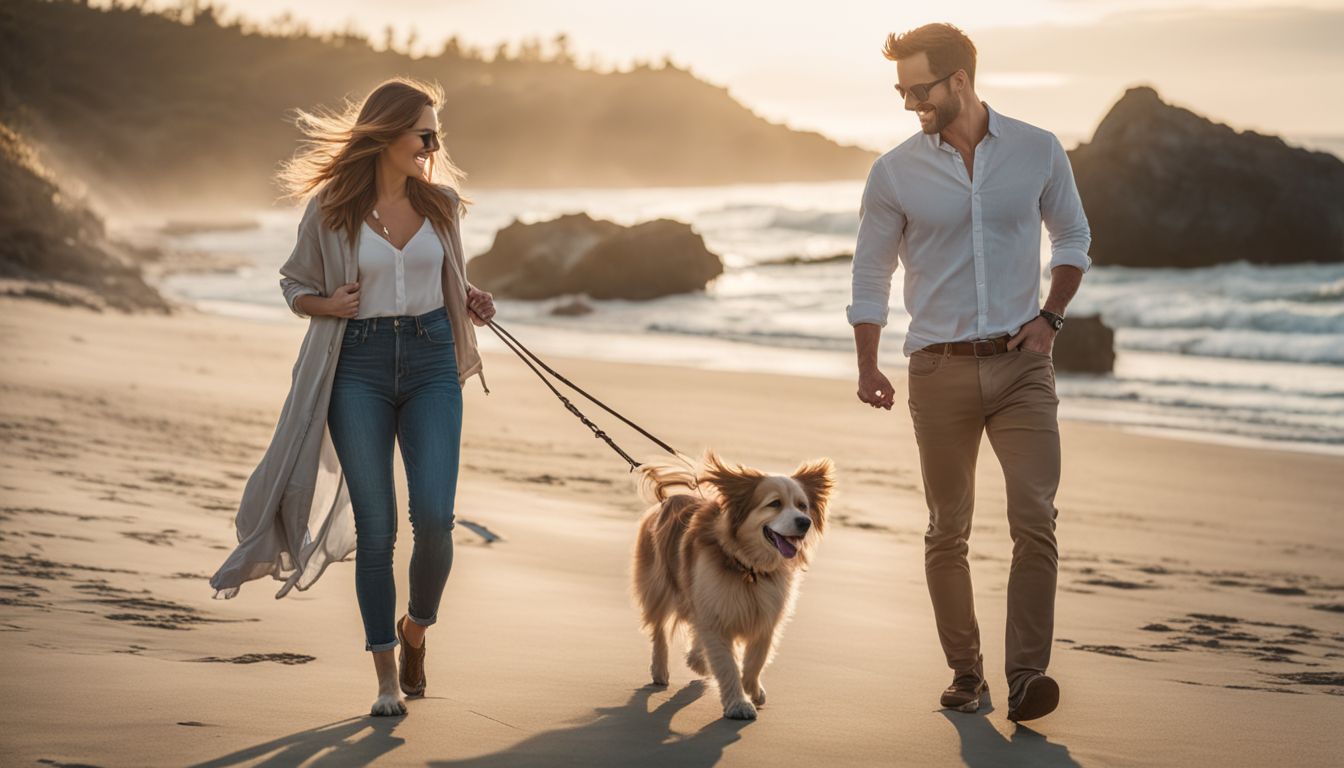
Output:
x=381 y=646
x=422 y=622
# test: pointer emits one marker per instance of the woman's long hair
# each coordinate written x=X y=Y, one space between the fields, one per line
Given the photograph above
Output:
x=340 y=152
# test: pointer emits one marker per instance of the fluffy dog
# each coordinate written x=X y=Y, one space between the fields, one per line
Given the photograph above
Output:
x=726 y=562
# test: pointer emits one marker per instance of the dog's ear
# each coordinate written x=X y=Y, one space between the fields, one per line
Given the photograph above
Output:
x=817 y=478
x=736 y=484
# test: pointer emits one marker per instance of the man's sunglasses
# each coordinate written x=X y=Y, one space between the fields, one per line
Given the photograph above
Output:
x=430 y=140
x=921 y=91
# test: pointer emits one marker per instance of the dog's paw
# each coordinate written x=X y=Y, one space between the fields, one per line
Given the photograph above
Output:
x=695 y=659
x=388 y=705
x=659 y=674
x=758 y=695
x=740 y=710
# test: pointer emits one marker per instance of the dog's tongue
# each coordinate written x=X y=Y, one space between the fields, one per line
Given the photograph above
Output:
x=784 y=546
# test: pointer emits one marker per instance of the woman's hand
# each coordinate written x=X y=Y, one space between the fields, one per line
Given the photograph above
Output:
x=344 y=302
x=481 y=304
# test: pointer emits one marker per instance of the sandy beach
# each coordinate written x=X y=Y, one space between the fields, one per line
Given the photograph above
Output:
x=1200 y=617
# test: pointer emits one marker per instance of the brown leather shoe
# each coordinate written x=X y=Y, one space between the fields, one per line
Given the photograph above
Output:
x=410 y=664
x=963 y=695
x=1039 y=697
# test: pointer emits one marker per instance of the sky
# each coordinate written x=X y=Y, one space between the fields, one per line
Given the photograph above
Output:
x=1060 y=64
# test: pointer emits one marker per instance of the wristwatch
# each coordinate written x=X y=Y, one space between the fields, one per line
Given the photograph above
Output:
x=1056 y=321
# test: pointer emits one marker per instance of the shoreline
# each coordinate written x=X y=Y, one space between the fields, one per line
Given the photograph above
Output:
x=716 y=354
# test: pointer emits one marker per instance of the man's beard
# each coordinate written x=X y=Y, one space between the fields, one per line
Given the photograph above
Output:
x=943 y=115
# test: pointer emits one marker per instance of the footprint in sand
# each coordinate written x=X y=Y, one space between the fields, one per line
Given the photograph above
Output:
x=1263 y=641
x=256 y=658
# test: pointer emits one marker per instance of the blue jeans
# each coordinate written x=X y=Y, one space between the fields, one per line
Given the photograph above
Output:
x=397 y=377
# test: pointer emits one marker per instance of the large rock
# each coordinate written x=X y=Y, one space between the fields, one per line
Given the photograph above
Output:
x=1085 y=345
x=1164 y=187
x=56 y=249
x=576 y=254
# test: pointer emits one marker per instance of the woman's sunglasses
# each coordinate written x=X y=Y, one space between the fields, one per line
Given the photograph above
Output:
x=430 y=140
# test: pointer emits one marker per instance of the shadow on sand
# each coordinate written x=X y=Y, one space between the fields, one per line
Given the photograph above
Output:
x=620 y=736
x=982 y=746
x=353 y=741
x=615 y=736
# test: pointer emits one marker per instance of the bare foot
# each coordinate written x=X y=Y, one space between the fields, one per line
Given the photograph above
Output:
x=389 y=702
x=388 y=705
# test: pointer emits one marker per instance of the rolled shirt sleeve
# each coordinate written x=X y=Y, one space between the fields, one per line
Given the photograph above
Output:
x=293 y=289
x=302 y=273
x=881 y=226
x=1062 y=212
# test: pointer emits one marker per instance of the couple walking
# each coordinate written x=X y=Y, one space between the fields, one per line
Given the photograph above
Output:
x=379 y=268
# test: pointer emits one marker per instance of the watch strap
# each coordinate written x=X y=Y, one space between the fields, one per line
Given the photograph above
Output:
x=1056 y=321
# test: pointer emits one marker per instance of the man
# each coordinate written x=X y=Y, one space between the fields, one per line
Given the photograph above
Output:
x=960 y=205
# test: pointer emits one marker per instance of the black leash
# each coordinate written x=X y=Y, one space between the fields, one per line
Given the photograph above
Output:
x=524 y=354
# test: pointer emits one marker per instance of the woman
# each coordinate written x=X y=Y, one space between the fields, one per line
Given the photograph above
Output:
x=379 y=269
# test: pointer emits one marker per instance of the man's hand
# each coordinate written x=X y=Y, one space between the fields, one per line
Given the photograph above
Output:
x=1037 y=336
x=344 y=302
x=482 y=305
x=875 y=388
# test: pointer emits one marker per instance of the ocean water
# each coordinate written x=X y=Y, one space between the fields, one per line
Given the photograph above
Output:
x=1236 y=352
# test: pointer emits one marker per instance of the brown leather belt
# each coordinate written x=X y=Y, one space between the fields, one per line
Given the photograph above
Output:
x=978 y=348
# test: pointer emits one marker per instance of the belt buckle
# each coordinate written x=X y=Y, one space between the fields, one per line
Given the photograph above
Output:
x=989 y=343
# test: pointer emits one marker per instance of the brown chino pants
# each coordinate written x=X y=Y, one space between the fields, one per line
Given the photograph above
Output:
x=1011 y=396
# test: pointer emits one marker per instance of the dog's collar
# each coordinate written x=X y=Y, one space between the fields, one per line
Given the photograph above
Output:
x=749 y=574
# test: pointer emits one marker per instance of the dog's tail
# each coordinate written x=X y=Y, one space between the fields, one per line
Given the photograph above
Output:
x=656 y=479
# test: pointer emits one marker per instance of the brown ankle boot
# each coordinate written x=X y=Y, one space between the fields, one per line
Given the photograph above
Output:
x=410 y=664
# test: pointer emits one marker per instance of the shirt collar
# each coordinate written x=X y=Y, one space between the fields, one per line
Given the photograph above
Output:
x=995 y=125
x=995 y=130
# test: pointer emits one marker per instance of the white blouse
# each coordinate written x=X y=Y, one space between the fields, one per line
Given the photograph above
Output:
x=400 y=282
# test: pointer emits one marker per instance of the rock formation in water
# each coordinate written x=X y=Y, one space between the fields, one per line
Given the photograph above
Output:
x=56 y=249
x=1164 y=187
x=576 y=254
x=1086 y=345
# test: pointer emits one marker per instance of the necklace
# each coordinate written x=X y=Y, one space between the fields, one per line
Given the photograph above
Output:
x=379 y=219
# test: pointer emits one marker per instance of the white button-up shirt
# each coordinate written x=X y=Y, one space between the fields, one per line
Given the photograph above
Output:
x=970 y=247
x=399 y=282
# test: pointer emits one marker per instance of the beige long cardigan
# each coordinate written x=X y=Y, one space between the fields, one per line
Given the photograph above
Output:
x=295 y=515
